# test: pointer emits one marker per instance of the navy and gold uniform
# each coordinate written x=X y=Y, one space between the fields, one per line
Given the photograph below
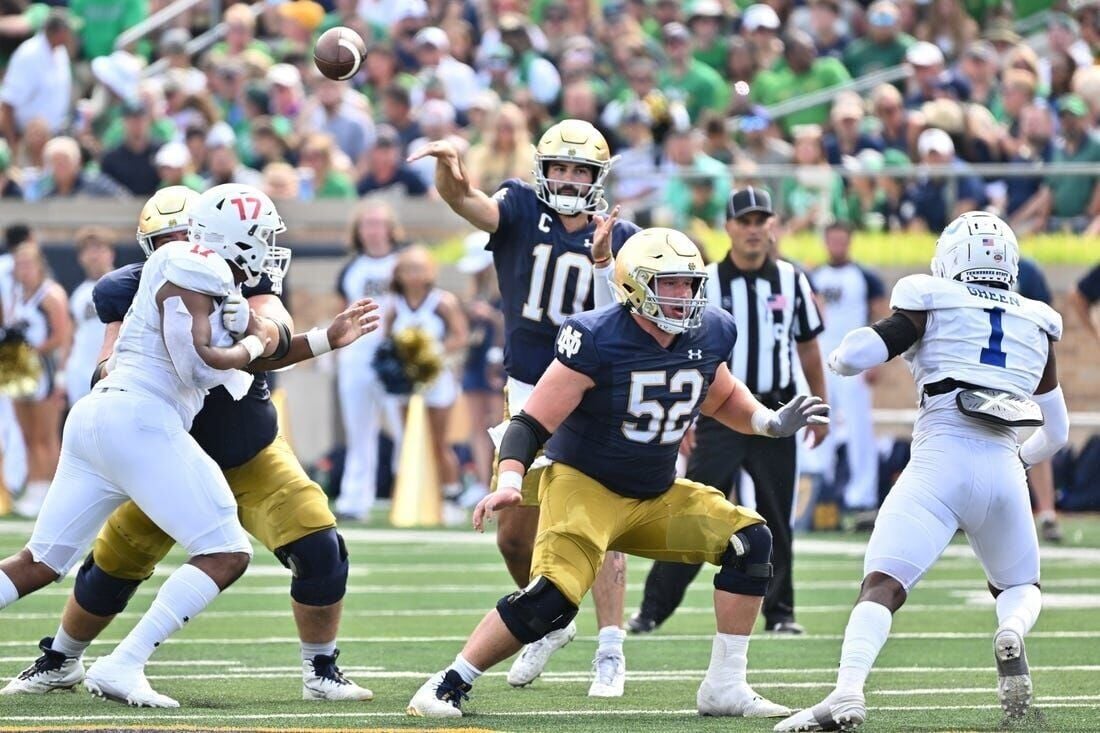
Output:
x=278 y=503
x=612 y=485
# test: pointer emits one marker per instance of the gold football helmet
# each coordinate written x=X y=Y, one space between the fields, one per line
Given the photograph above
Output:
x=656 y=253
x=164 y=212
x=572 y=141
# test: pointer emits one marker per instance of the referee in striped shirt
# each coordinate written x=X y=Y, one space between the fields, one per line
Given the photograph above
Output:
x=776 y=316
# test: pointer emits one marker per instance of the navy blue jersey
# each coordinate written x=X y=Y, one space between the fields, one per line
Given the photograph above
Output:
x=230 y=432
x=545 y=275
x=627 y=430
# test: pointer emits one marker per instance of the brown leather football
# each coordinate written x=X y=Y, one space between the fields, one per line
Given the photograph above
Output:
x=339 y=53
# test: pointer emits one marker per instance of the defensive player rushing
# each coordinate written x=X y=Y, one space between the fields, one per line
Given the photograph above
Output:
x=545 y=240
x=278 y=503
x=978 y=353
x=626 y=383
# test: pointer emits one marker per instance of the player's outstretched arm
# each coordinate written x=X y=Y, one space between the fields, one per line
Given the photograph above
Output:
x=358 y=319
x=556 y=395
x=453 y=183
x=730 y=403
x=878 y=343
x=1054 y=432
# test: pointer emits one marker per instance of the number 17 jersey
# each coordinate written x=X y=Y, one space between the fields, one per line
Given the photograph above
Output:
x=545 y=275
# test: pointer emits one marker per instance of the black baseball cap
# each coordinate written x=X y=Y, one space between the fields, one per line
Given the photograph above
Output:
x=747 y=200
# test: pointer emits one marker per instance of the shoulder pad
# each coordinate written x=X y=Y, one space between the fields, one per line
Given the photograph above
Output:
x=208 y=274
x=1048 y=319
x=914 y=292
x=114 y=292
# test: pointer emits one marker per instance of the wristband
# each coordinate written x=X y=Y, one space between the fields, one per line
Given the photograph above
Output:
x=253 y=345
x=761 y=420
x=510 y=480
x=602 y=263
x=318 y=341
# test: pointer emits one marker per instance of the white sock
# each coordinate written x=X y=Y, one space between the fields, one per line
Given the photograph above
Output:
x=8 y=592
x=611 y=640
x=186 y=592
x=729 y=658
x=67 y=645
x=451 y=491
x=868 y=628
x=468 y=672
x=1018 y=608
x=309 y=651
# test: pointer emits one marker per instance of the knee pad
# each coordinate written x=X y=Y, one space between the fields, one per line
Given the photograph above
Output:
x=747 y=562
x=99 y=593
x=535 y=611
x=319 y=563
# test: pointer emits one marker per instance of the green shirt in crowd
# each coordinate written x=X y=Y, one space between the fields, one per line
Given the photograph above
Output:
x=678 y=191
x=772 y=87
x=1072 y=194
x=337 y=185
x=104 y=21
x=864 y=56
x=700 y=87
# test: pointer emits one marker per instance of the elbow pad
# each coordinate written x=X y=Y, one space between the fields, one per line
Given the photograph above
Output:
x=1054 y=432
x=861 y=349
x=523 y=439
x=192 y=370
x=897 y=332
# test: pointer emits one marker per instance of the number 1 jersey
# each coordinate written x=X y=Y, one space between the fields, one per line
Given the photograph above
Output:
x=626 y=432
x=545 y=275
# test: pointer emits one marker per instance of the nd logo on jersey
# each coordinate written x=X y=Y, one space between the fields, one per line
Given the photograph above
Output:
x=569 y=342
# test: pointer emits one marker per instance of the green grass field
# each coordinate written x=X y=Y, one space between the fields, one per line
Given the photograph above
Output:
x=414 y=596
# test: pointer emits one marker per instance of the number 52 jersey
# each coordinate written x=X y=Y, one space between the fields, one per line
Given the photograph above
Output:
x=545 y=275
x=626 y=432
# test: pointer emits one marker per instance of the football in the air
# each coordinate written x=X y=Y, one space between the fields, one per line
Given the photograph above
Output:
x=339 y=53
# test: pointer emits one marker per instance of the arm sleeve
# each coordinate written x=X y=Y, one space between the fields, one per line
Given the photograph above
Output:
x=860 y=350
x=576 y=348
x=807 y=318
x=602 y=292
x=1054 y=432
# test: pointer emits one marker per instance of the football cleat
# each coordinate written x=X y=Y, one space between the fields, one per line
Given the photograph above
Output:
x=51 y=671
x=1013 y=676
x=532 y=660
x=737 y=700
x=610 y=676
x=113 y=679
x=786 y=627
x=639 y=624
x=323 y=680
x=440 y=697
x=838 y=711
x=1050 y=529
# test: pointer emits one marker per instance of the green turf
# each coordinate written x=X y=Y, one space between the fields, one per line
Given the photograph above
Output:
x=414 y=597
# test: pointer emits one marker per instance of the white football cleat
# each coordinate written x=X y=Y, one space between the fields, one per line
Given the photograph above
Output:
x=838 y=711
x=323 y=680
x=1013 y=676
x=51 y=671
x=532 y=660
x=739 y=701
x=114 y=680
x=610 y=676
x=440 y=697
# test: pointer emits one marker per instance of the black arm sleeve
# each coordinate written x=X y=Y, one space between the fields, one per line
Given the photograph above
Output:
x=523 y=439
x=284 y=342
x=898 y=332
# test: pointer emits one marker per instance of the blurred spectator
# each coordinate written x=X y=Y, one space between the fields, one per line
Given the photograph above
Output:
x=37 y=82
x=885 y=44
x=66 y=176
x=864 y=198
x=271 y=142
x=507 y=153
x=826 y=26
x=327 y=181
x=1018 y=89
x=1082 y=299
x=978 y=68
x=9 y=187
x=634 y=183
x=343 y=114
x=280 y=181
x=892 y=117
x=240 y=34
x=386 y=166
x=1088 y=16
x=928 y=65
x=813 y=197
x=298 y=20
x=758 y=144
x=1067 y=202
x=696 y=185
x=433 y=54
x=1063 y=37
x=96 y=255
x=437 y=120
x=741 y=60
x=895 y=209
x=287 y=93
x=641 y=77
x=707 y=20
x=800 y=73
x=717 y=142
x=948 y=26
x=131 y=163
x=530 y=70
x=1062 y=71
x=173 y=163
x=223 y=165
x=104 y=21
x=939 y=200
x=1035 y=144
x=482 y=115
x=173 y=49
x=847 y=136
x=687 y=79
x=397 y=111
x=383 y=73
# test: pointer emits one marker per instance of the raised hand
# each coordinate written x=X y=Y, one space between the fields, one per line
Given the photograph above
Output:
x=446 y=153
x=358 y=319
x=601 y=238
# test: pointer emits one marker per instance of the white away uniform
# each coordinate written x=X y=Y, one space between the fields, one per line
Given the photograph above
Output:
x=965 y=473
x=128 y=439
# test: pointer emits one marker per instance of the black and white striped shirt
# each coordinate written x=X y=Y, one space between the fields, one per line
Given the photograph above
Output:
x=772 y=306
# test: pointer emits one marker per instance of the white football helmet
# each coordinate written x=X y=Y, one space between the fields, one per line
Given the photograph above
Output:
x=977 y=247
x=240 y=222
x=652 y=254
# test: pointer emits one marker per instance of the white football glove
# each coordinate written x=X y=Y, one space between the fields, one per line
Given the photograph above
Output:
x=235 y=314
x=803 y=410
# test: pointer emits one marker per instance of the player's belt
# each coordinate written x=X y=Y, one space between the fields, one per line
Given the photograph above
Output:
x=947 y=385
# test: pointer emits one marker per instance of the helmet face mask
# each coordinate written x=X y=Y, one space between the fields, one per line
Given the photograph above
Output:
x=577 y=142
x=654 y=255
x=977 y=247
x=165 y=212
x=240 y=223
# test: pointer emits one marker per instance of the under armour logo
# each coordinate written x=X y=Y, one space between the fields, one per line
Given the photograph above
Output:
x=588 y=243
x=695 y=354
x=569 y=342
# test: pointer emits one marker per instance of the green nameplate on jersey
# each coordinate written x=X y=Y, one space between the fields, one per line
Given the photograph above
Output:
x=998 y=407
